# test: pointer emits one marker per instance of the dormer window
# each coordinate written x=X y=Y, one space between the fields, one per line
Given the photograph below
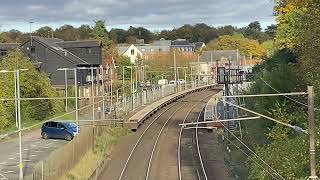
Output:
x=132 y=51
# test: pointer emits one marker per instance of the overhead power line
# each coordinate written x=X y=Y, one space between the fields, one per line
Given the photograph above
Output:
x=255 y=154
x=294 y=100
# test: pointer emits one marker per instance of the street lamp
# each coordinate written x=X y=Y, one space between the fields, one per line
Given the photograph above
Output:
x=75 y=91
x=18 y=113
x=131 y=82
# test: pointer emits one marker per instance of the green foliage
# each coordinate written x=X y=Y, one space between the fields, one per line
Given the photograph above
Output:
x=32 y=84
x=254 y=31
x=45 y=31
x=121 y=63
x=108 y=139
x=289 y=158
x=100 y=33
x=269 y=47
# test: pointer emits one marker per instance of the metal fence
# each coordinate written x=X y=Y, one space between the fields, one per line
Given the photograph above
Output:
x=62 y=160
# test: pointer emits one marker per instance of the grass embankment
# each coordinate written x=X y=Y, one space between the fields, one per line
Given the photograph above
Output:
x=102 y=148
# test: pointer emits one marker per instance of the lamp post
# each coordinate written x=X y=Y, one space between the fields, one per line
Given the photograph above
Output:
x=18 y=113
x=131 y=82
x=75 y=91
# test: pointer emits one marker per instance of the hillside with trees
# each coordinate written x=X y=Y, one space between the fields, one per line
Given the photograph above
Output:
x=293 y=66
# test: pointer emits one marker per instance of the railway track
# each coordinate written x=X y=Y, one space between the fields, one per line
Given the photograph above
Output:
x=191 y=166
x=148 y=140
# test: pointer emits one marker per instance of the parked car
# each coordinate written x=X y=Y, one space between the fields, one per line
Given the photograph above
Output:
x=181 y=81
x=173 y=82
x=59 y=130
x=108 y=110
x=162 y=82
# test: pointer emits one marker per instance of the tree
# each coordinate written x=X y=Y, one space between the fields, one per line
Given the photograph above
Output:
x=45 y=31
x=100 y=33
x=3 y=37
x=84 y=32
x=121 y=63
x=33 y=84
x=67 y=33
x=271 y=30
x=246 y=46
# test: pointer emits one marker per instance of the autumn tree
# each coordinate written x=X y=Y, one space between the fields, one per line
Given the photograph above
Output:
x=247 y=47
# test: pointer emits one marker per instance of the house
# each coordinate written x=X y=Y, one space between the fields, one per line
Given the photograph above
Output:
x=209 y=60
x=5 y=47
x=185 y=46
x=205 y=68
x=157 y=49
x=51 y=54
x=131 y=51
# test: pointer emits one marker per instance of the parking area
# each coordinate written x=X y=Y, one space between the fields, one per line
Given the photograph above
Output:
x=34 y=149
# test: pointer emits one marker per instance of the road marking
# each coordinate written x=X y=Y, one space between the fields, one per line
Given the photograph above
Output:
x=38 y=142
x=27 y=160
x=3 y=177
x=45 y=147
x=3 y=163
x=7 y=172
x=26 y=149
x=11 y=158
x=38 y=151
x=34 y=155
x=34 y=145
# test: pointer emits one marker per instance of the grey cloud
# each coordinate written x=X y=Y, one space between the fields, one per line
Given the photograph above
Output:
x=139 y=12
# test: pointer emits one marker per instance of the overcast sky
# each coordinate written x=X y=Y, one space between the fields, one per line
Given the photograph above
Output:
x=153 y=14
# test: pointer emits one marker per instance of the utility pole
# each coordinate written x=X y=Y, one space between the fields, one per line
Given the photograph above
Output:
x=76 y=97
x=131 y=81
x=31 y=22
x=19 y=120
x=311 y=133
x=198 y=70
x=92 y=95
x=66 y=89
x=175 y=69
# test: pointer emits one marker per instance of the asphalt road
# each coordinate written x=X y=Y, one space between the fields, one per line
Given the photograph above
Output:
x=34 y=149
x=163 y=165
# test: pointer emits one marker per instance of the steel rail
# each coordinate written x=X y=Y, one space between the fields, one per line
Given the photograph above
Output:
x=180 y=136
x=139 y=140
x=156 y=141
x=198 y=148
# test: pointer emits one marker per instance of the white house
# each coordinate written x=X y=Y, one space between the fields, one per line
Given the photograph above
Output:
x=131 y=51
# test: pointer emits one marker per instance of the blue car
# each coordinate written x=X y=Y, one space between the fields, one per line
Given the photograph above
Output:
x=59 y=130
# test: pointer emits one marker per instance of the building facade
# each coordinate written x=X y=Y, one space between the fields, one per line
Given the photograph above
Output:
x=51 y=54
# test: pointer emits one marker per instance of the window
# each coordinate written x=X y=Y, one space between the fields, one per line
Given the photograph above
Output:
x=132 y=51
x=89 y=50
x=3 y=53
x=32 y=50
x=60 y=125
x=51 y=124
